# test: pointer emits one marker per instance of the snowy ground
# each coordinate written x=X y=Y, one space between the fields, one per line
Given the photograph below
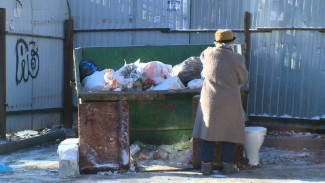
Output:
x=40 y=164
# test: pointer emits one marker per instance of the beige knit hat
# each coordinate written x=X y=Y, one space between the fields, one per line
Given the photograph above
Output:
x=224 y=36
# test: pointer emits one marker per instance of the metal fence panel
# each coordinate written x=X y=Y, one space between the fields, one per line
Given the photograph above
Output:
x=285 y=75
x=96 y=16
x=34 y=63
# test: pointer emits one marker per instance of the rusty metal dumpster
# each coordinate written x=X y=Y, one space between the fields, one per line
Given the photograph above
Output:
x=155 y=117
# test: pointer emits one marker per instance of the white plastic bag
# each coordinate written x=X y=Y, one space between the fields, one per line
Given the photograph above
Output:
x=113 y=80
x=195 y=84
x=127 y=69
x=94 y=82
x=172 y=83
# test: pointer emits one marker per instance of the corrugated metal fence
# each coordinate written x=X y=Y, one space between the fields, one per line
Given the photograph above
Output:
x=34 y=36
x=129 y=22
x=287 y=64
x=287 y=61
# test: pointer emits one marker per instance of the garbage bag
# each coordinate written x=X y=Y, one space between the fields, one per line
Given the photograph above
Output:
x=188 y=70
x=113 y=81
x=5 y=168
x=132 y=76
x=189 y=157
x=94 y=82
x=156 y=71
x=195 y=84
x=127 y=70
x=172 y=83
x=161 y=155
x=87 y=68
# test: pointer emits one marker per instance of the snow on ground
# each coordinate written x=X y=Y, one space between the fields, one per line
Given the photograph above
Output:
x=40 y=164
x=293 y=133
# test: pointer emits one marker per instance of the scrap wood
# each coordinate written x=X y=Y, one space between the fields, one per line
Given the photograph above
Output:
x=163 y=168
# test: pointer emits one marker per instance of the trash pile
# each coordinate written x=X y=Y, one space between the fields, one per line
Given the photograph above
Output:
x=295 y=133
x=147 y=157
x=138 y=76
x=26 y=134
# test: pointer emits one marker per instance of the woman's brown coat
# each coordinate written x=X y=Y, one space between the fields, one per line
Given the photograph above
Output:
x=220 y=114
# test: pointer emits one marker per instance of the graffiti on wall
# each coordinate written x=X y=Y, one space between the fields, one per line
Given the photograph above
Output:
x=27 y=60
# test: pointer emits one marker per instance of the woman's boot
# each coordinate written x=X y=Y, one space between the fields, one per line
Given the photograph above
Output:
x=206 y=168
x=229 y=168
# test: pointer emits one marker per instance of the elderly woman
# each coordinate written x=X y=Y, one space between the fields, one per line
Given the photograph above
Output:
x=220 y=114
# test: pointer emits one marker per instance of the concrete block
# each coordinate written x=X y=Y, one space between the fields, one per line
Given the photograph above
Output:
x=68 y=152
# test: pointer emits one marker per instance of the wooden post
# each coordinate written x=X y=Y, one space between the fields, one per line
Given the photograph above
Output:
x=246 y=49
x=246 y=37
x=68 y=74
x=3 y=124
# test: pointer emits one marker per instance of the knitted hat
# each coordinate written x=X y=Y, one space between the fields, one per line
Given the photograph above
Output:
x=224 y=36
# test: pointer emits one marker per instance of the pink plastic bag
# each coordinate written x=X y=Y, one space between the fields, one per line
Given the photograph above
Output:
x=157 y=71
x=189 y=157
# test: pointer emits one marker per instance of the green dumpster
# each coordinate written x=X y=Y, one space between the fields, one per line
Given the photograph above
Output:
x=156 y=117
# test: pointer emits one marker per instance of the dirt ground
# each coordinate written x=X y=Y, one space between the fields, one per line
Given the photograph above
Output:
x=40 y=164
